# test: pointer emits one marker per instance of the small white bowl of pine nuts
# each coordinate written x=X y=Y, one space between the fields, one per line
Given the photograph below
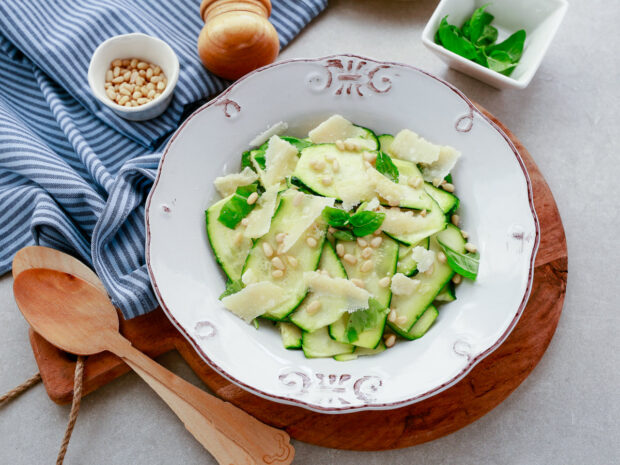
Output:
x=134 y=75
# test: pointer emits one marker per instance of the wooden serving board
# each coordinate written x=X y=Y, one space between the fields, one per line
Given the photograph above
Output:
x=488 y=384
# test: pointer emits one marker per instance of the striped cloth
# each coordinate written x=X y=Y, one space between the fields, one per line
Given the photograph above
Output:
x=73 y=175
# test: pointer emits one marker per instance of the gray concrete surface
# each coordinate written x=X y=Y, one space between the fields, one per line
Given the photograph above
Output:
x=567 y=412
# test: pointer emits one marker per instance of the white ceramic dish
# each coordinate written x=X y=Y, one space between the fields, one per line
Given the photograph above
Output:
x=135 y=45
x=540 y=19
x=497 y=210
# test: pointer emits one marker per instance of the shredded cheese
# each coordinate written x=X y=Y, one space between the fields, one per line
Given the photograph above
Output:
x=424 y=258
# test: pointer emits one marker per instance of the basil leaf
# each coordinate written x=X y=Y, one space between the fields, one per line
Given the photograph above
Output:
x=478 y=29
x=299 y=144
x=453 y=39
x=513 y=46
x=343 y=235
x=335 y=217
x=386 y=167
x=255 y=322
x=361 y=320
x=246 y=162
x=501 y=62
x=366 y=222
x=232 y=287
x=463 y=264
x=237 y=206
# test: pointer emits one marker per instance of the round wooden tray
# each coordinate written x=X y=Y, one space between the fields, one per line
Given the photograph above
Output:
x=488 y=384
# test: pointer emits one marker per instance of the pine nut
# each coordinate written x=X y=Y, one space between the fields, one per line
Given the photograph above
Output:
x=327 y=180
x=335 y=166
x=267 y=249
x=392 y=316
x=156 y=70
x=142 y=101
x=423 y=213
x=311 y=241
x=292 y=261
x=278 y=263
x=361 y=242
x=149 y=73
x=123 y=100
x=358 y=282
x=455 y=219
x=117 y=63
x=448 y=187
x=150 y=86
x=142 y=65
x=385 y=282
x=252 y=198
x=150 y=94
x=465 y=234
x=366 y=266
x=414 y=182
x=133 y=63
x=340 y=250
x=116 y=71
x=317 y=165
x=351 y=259
x=401 y=320
x=340 y=145
x=441 y=257
x=127 y=75
x=313 y=307
x=118 y=80
x=329 y=157
x=109 y=75
x=111 y=93
x=349 y=145
x=299 y=197
x=436 y=182
x=245 y=222
x=124 y=91
x=456 y=279
x=471 y=248
x=156 y=79
x=136 y=95
x=376 y=242
x=280 y=237
x=377 y=232
x=367 y=252
x=370 y=157
x=162 y=85
x=277 y=274
x=390 y=341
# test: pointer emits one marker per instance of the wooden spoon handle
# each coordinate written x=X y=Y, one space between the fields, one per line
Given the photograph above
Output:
x=231 y=435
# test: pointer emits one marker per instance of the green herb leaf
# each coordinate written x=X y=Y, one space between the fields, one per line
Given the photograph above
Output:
x=344 y=235
x=237 y=206
x=453 y=39
x=386 y=167
x=255 y=322
x=246 y=162
x=501 y=62
x=232 y=287
x=257 y=155
x=366 y=222
x=463 y=264
x=299 y=144
x=513 y=46
x=336 y=217
x=361 y=320
x=478 y=27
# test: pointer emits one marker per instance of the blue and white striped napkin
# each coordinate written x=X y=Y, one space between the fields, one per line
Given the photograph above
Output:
x=73 y=175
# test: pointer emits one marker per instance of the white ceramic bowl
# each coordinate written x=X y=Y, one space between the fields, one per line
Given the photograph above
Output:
x=135 y=45
x=539 y=18
x=496 y=209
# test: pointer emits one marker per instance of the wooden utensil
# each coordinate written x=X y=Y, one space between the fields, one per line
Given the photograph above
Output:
x=77 y=317
x=237 y=37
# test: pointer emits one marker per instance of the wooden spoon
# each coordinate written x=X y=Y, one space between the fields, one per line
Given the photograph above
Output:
x=77 y=317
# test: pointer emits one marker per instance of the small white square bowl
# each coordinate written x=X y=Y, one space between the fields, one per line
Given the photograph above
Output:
x=539 y=18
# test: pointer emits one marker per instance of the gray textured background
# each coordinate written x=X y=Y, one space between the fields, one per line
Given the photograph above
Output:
x=567 y=412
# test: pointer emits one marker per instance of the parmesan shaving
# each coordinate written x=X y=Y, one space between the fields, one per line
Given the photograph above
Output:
x=402 y=285
x=259 y=220
x=255 y=300
x=407 y=145
x=227 y=185
x=441 y=167
x=332 y=129
x=275 y=130
x=280 y=161
x=424 y=258
x=357 y=298
x=310 y=209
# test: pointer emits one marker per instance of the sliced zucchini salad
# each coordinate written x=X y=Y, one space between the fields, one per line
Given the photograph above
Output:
x=346 y=240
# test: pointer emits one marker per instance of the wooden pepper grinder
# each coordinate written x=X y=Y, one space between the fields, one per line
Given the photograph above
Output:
x=237 y=37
